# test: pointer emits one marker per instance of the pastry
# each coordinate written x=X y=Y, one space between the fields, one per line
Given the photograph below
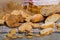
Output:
x=52 y=18
x=37 y=18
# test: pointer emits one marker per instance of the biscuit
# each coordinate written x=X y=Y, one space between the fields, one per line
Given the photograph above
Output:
x=52 y=18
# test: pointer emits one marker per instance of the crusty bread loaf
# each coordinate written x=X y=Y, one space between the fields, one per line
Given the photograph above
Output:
x=37 y=18
x=46 y=31
x=52 y=18
x=48 y=25
x=47 y=10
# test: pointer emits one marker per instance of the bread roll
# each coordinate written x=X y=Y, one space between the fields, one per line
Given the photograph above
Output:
x=35 y=25
x=48 y=10
x=46 y=31
x=25 y=27
x=37 y=18
x=48 y=25
x=52 y=18
x=28 y=28
x=22 y=28
x=13 y=21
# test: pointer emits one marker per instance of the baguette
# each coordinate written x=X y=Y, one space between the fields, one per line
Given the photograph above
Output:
x=52 y=18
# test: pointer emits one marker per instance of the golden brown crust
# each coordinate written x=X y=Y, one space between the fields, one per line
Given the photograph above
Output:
x=52 y=18
x=37 y=18
x=13 y=20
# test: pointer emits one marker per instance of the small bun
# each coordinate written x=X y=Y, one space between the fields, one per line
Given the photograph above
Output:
x=13 y=21
x=37 y=18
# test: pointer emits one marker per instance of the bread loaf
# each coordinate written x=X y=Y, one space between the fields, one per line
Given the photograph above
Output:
x=52 y=18
x=48 y=10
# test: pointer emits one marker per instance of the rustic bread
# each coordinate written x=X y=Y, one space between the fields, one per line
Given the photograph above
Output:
x=52 y=18
x=37 y=18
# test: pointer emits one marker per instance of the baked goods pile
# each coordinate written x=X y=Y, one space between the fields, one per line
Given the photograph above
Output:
x=45 y=21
